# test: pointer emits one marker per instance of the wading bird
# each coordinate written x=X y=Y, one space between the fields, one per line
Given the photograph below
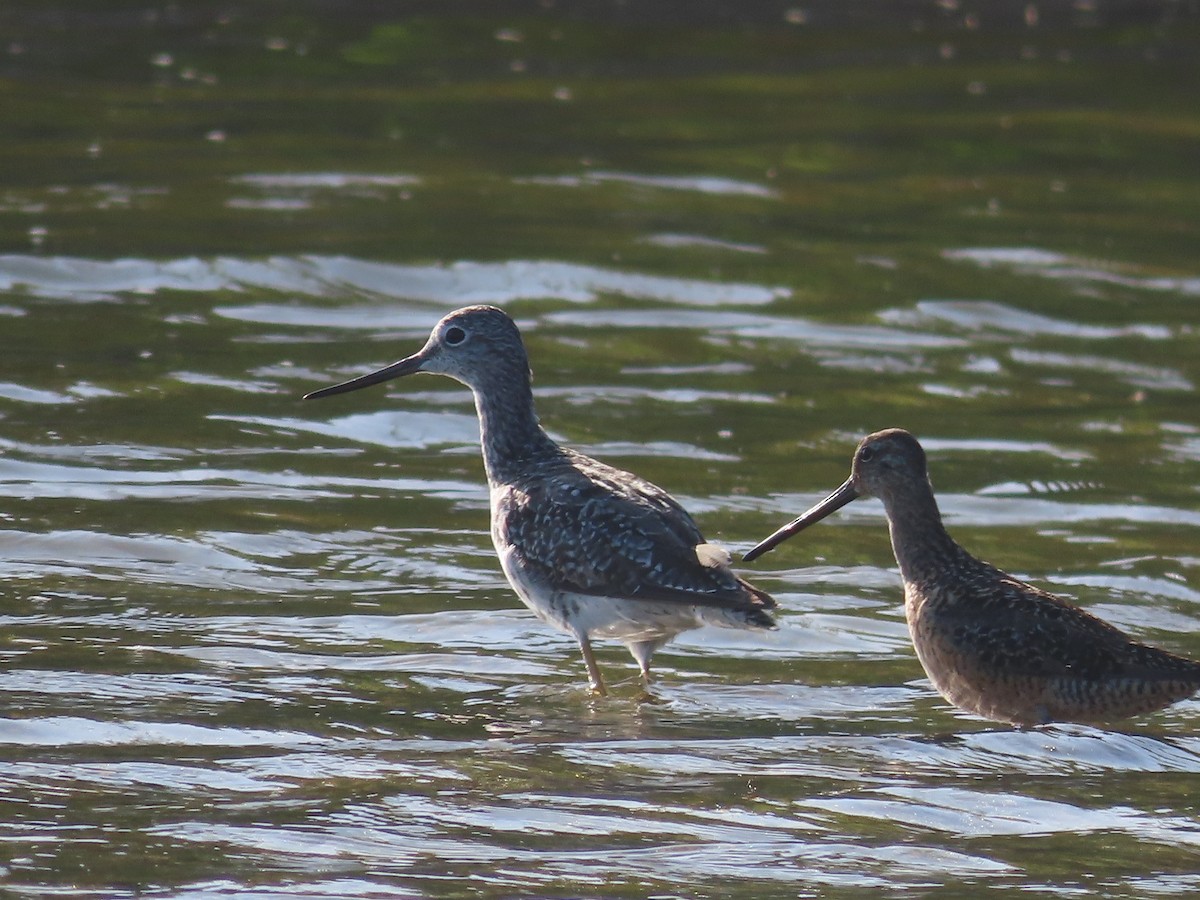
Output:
x=990 y=643
x=595 y=551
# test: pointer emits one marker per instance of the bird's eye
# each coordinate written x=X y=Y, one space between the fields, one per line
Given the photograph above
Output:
x=866 y=454
x=455 y=335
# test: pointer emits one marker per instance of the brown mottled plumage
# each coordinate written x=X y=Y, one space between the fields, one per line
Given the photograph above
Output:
x=990 y=643
x=593 y=550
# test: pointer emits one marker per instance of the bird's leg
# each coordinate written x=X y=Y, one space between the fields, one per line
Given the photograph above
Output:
x=589 y=659
x=642 y=651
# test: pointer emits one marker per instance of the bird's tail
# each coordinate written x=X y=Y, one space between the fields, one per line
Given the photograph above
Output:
x=754 y=613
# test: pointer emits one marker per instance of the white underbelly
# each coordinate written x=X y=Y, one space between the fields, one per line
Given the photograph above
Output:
x=595 y=616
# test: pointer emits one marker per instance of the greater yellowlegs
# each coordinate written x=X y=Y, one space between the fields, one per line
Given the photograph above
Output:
x=990 y=643
x=594 y=551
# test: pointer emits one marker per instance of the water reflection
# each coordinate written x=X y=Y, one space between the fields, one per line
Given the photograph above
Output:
x=410 y=716
x=458 y=284
x=1047 y=264
x=806 y=333
x=254 y=648
x=704 y=184
x=981 y=315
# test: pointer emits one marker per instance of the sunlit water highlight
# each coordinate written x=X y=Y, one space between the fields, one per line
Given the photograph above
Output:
x=255 y=647
x=361 y=719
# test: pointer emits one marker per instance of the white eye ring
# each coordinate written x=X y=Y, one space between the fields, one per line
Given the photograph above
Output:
x=454 y=336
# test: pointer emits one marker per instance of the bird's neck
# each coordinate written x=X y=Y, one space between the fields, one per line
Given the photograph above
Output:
x=923 y=548
x=508 y=428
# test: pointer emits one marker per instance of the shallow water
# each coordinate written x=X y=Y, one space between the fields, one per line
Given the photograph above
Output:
x=257 y=647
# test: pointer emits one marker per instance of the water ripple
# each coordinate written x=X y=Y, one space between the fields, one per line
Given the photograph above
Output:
x=990 y=814
x=986 y=508
x=441 y=286
x=750 y=325
x=390 y=428
x=702 y=184
x=324 y=180
x=980 y=315
x=1137 y=374
x=1058 y=266
x=68 y=731
x=20 y=479
x=702 y=242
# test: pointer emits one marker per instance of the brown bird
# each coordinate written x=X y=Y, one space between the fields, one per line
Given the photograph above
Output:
x=990 y=643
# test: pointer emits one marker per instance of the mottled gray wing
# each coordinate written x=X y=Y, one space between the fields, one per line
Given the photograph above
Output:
x=1015 y=628
x=595 y=530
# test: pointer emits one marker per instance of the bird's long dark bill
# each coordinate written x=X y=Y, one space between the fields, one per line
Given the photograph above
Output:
x=406 y=366
x=835 y=501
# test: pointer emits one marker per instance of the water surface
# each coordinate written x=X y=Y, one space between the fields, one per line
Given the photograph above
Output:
x=256 y=647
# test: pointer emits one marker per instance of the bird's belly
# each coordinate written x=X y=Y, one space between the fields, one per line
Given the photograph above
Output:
x=597 y=616
x=628 y=621
x=1015 y=695
x=959 y=675
x=956 y=678
x=1023 y=699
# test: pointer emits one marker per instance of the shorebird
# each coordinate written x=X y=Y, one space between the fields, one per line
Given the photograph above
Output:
x=594 y=551
x=990 y=643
